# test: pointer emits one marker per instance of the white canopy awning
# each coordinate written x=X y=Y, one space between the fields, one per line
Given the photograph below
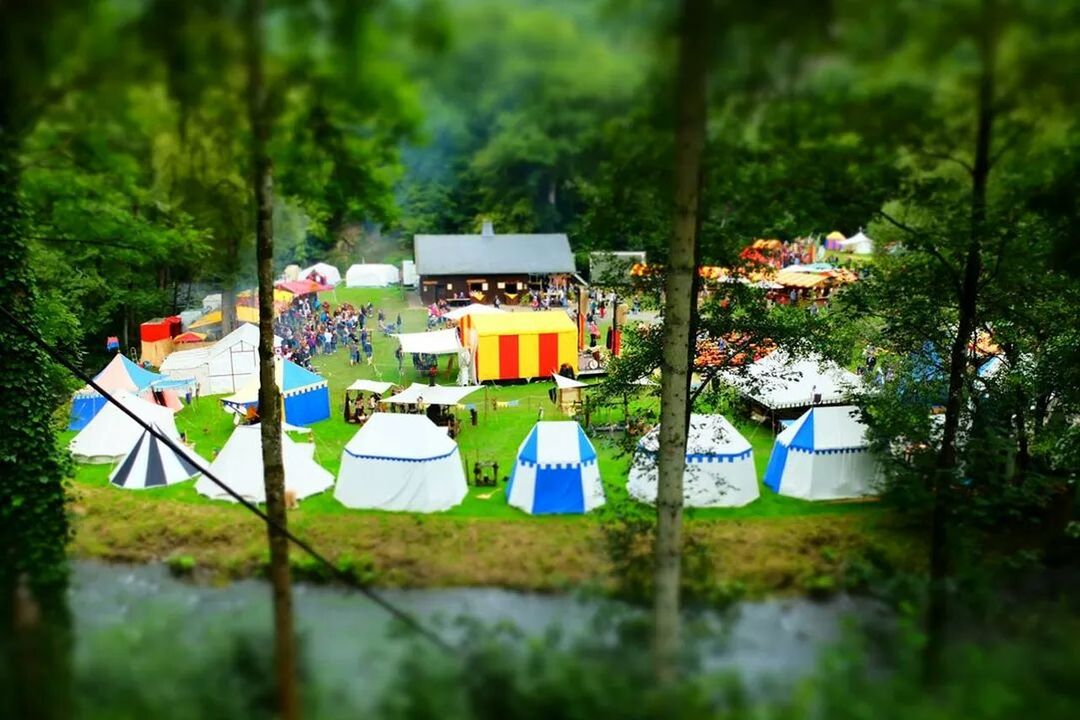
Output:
x=372 y=386
x=777 y=381
x=473 y=309
x=432 y=394
x=437 y=342
x=565 y=383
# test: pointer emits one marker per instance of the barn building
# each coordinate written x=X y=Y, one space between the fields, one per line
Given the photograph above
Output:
x=479 y=268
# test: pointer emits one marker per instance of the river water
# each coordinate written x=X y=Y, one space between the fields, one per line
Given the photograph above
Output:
x=353 y=647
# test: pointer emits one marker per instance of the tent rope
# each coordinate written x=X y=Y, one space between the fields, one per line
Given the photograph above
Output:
x=347 y=579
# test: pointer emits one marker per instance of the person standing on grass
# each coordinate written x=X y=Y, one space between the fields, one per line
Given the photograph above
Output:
x=398 y=323
x=370 y=352
x=400 y=356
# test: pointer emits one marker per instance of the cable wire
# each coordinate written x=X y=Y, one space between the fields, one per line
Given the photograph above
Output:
x=407 y=619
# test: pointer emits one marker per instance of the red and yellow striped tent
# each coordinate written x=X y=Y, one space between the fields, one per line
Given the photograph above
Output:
x=516 y=345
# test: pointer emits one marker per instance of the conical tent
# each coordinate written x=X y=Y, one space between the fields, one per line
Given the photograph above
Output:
x=239 y=465
x=719 y=469
x=151 y=463
x=305 y=395
x=823 y=455
x=111 y=433
x=556 y=471
x=121 y=374
x=401 y=462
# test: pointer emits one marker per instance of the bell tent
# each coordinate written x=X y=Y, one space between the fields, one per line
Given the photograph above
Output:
x=823 y=455
x=111 y=433
x=239 y=465
x=719 y=470
x=151 y=463
x=306 y=396
x=401 y=462
x=556 y=471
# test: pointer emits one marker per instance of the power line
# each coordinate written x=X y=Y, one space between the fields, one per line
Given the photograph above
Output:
x=401 y=615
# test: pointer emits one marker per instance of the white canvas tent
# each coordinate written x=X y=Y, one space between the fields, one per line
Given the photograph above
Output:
x=858 y=243
x=403 y=463
x=239 y=465
x=436 y=342
x=408 y=273
x=719 y=469
x=371 y=275
x=111 y=433
x=224 y=367
x=777 y=382
x=472 y=309
x=330 y=274
x=824 y=455
x=151 y=463
x=432 y=394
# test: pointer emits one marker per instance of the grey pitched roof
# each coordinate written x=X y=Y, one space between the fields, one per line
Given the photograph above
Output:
x=479 y=254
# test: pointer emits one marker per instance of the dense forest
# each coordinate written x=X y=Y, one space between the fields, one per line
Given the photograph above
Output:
x=397 y=118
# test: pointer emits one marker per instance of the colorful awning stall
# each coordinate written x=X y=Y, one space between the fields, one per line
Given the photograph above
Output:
x=189 y=337
x=797 y=279
x=244 y=314
x=510 y=346
x=251 y=297
x=303 y=287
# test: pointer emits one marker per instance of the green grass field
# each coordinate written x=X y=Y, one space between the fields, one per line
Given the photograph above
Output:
x=495 y=438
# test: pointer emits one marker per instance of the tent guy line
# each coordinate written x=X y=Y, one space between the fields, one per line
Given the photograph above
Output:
x=401 y=615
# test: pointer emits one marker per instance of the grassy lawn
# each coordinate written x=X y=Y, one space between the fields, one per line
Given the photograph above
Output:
x=481 y=541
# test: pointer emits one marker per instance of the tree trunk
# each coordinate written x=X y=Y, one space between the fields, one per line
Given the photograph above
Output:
x=678 y=308
x=285 y=663
x=936 y=614
x=228 y=304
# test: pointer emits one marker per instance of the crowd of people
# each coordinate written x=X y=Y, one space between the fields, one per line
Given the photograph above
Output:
x=310 y=327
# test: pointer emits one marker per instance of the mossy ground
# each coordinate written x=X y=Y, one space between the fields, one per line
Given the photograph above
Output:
x=773 y=544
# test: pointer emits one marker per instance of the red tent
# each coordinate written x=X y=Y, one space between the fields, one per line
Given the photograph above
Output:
x=303 y=287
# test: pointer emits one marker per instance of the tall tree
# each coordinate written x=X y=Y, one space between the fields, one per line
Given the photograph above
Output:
x=678 y=335
x=35 y=37
x=986 y=44
x=285 y=663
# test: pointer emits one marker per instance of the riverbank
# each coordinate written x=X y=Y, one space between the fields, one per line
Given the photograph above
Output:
x=761 y=556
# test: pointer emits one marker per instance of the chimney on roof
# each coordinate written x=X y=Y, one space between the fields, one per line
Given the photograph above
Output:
x=489 y=229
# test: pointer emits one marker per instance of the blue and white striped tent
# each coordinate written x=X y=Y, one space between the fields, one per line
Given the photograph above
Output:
x=120 y=375
x=719 y=470
x=306 y=396
x=556 y=471
x=823 y=455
